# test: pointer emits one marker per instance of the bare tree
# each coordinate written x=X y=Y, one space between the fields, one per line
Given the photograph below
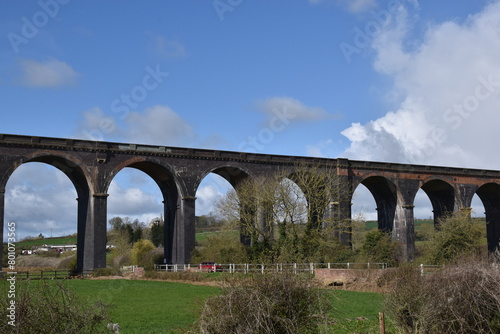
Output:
x=288 y=214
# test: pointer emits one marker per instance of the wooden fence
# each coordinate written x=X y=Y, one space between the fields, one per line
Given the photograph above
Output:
x=37 y=275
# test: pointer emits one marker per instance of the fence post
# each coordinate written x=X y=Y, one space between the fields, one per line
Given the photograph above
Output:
x=262 y=269
x=421 y=269
x=381 y=322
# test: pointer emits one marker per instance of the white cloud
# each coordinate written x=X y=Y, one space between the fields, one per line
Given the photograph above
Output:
x=291 y=109
x=206 y=197
x=132 y=201
x=52 y=73
x=40 y=199
x=159 y=125
x=449 y=84
x=321 y=149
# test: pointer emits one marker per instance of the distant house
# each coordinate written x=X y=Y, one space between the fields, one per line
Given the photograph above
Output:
x=46 y=248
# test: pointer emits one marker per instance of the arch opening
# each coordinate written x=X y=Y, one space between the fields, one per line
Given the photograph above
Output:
x=210 y=192
x=364 y=215
x=442 y=197
x=41 y=200
x=384 y=194
x=144 y=202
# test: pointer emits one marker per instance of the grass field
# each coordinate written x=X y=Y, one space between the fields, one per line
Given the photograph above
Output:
x=357 y=312
x=165 y=307
x=27 y=244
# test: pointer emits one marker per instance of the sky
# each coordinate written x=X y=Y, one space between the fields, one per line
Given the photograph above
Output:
x=403 y=81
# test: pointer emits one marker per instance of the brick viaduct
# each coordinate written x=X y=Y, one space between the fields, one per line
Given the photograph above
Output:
x=92 y=165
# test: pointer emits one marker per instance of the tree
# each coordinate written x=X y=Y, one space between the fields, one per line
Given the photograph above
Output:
x=287 y=215
x=458 y=235
x=140 y=251
x=157 y=232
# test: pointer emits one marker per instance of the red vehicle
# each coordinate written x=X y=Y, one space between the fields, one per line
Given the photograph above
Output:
x=210 y=267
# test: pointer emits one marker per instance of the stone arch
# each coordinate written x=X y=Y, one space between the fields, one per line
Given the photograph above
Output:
x=73 y=169
x=385 y=194
x=489 y=193
x=442 y=196
x=234 y=175
x=179 y=234
x=66 y=163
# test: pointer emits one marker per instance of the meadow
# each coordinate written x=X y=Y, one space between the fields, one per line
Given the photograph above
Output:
x=141 y=306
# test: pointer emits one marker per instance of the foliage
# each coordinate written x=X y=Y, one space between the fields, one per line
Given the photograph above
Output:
x=140 y=251
x=379 y=247
x=157 y=233
x=458 y=235
x=460 y=298
x=222 y=247
x=275 y=303
x=208 y=221
x=44 y=308
x=287 y=216
x=124 y=227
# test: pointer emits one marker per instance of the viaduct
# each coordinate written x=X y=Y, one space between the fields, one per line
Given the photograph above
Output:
x=92 y=165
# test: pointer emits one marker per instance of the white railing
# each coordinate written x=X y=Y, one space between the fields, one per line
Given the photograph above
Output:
x=277 y=267
x=127 y=269
x=429 y=268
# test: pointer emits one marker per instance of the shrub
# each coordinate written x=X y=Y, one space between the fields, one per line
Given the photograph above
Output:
x=223 y=247
x=273 y=303
x=153 y=257
x=68 y=263
x=140 y=251
x=51 y=308
x=458 y=235
x=463 y=298
x=379 y=247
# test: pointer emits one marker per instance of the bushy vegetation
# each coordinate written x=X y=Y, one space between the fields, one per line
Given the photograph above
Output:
x=460 y=298
x=457 y=235
x=379 y=247
x=51 y=308
x=273 y=303
x=221 y=247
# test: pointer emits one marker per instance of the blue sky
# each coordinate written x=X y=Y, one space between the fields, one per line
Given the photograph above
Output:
x=400 y=81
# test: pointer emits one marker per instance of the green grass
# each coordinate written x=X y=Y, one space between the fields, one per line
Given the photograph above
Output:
x=143 y=306
x=164 y=307
x=350 y=305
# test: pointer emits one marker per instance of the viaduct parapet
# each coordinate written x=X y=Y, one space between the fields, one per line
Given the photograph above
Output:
x=92 y=165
